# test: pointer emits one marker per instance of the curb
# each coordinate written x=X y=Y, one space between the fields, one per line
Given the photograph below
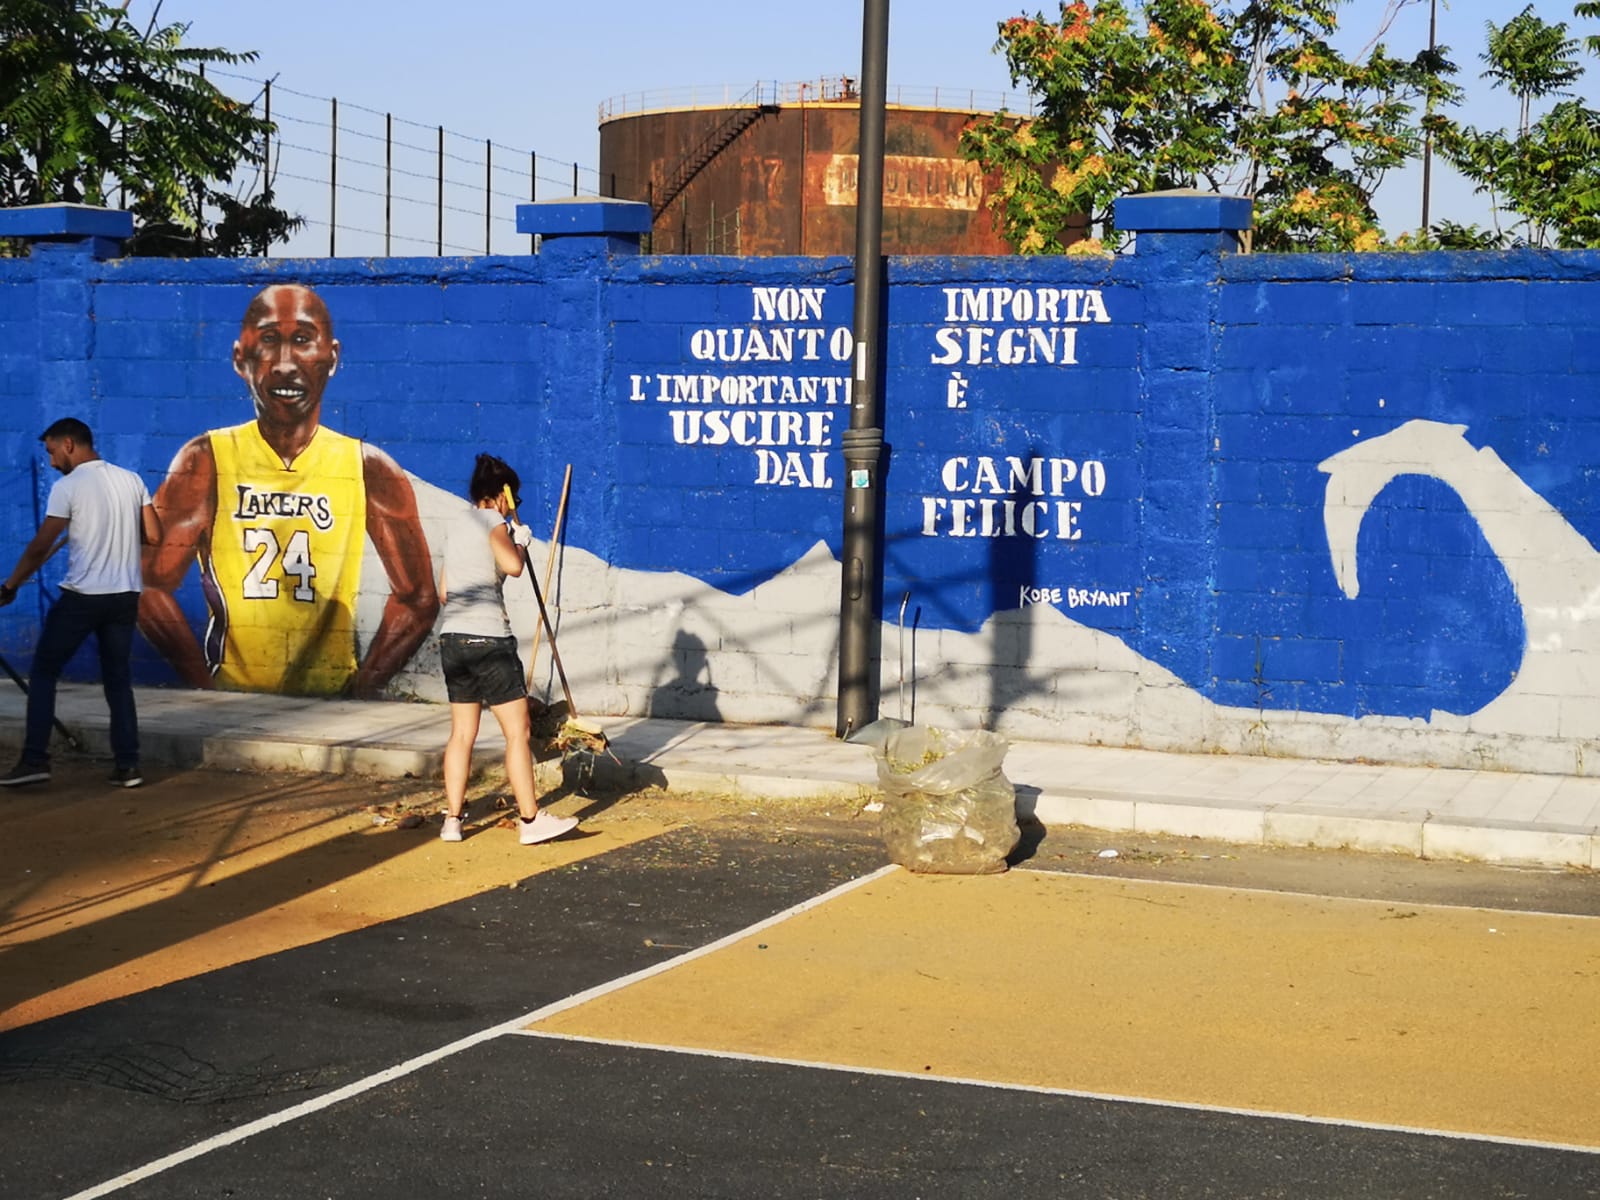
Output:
x=1425 y=837
x=409 y=750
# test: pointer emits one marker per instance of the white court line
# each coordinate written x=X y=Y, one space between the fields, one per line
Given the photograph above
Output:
x=1069 y=1093
x=412 y=1065
x=1283 y=893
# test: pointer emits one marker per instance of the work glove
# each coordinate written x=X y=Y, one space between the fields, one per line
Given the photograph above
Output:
x=522 y=536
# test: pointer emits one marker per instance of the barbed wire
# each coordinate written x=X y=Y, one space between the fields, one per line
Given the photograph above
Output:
x=323 y=185
x=412 y=182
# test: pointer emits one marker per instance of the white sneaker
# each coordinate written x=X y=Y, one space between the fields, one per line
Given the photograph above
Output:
x=543 y=827
x=451 y=831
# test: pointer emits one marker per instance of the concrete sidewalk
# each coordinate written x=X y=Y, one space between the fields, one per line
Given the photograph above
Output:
x=1435 y=813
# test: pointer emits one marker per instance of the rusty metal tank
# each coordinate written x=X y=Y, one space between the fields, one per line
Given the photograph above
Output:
x=772 y=170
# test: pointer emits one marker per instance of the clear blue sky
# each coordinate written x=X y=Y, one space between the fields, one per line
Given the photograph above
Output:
x=530 y=74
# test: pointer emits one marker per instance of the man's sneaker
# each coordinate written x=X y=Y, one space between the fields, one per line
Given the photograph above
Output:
x=543 y=827
x=451 y=831
x=26 y=772
x=125 y=777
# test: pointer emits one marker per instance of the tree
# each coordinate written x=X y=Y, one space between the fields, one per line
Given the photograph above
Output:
x=1251 y=102
x=92 y=109
x=1548 y=173
x=1531 y=59
x=1589 y=8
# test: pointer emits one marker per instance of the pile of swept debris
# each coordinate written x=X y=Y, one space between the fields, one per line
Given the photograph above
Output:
x=559 y=734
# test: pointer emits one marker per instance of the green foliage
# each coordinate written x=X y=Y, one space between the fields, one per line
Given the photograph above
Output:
x=1547 y=175
x=1591 y=9
x=1530 y=59
x=1451 y=235
x=94 y=111
x=1251 y=100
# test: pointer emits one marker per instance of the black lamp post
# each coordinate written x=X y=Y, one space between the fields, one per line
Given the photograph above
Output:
x=861 y=584
x=1427 y=136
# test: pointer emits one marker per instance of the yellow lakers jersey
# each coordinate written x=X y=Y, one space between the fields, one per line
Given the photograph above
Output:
x=285 y=563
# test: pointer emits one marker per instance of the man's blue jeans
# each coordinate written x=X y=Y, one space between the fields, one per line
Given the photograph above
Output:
x=71 y=619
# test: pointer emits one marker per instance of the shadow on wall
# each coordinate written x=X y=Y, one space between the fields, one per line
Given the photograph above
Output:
x=690 y=695
x=1013 y=570
x=1001 y=669
x=905 y=661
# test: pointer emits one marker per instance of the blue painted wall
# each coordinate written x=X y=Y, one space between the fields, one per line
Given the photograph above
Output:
x=1130 y=456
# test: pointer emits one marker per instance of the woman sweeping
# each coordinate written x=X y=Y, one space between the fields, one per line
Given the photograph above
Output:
x=479 y=652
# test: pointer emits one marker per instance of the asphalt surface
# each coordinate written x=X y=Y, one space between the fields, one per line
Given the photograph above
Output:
x=414 y=1058
x=95 y=1093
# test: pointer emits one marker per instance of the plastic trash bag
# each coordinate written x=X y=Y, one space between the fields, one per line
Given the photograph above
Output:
x=947 y=806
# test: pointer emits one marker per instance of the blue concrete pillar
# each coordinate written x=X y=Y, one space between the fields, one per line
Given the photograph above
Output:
x=76 y=229
x=1182 y=236
x=1184 y=222
x=66 y=243
x=582 y=239
x=53 y=344
x=585 y=226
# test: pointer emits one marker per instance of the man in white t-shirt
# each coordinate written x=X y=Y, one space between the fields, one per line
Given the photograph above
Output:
x=104 y=513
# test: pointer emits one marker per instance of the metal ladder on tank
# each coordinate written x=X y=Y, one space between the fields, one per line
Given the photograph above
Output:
x=751 y=107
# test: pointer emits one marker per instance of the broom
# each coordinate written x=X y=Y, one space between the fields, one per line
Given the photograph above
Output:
x=550 y=567
x=575 y=733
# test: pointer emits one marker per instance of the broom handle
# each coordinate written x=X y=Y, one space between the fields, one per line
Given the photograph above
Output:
x=544 y=615
x=549 y=570
x=54 y=721
x=18 y=680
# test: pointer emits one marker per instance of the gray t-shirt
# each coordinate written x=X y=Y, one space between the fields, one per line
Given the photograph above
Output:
x=103 y=504
x=472 y=579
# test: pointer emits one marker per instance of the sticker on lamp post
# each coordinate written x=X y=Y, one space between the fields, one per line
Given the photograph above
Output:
x=860 y=478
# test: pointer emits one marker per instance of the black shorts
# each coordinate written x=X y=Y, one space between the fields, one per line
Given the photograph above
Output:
x=481 y=670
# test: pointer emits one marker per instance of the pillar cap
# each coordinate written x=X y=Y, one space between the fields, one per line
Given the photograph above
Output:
x=65 y=221
x=583 y=216
x=1182 y=210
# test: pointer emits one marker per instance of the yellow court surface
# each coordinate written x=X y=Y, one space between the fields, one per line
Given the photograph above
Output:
x=1475 y=1021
